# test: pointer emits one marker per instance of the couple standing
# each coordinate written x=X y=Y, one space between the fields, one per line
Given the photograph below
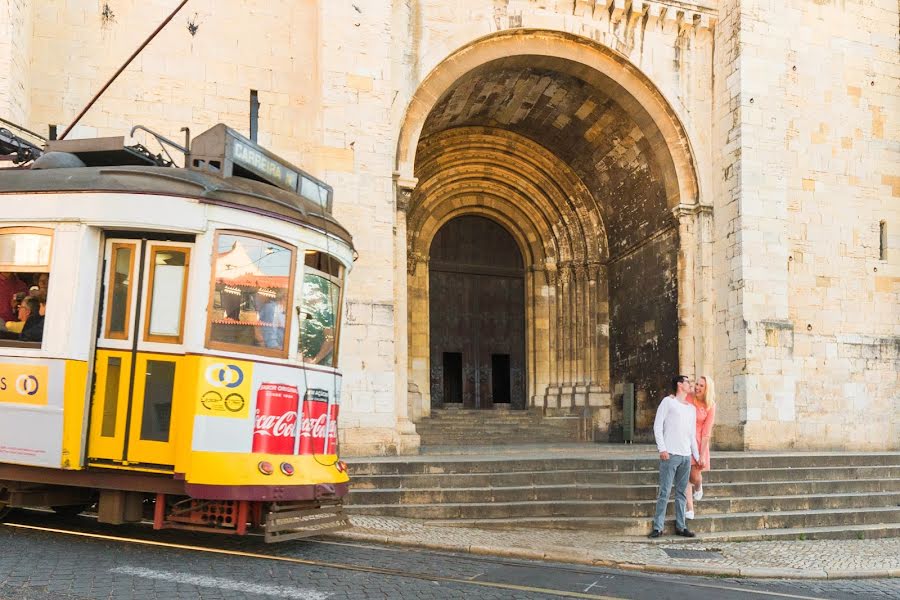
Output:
x=683 y=428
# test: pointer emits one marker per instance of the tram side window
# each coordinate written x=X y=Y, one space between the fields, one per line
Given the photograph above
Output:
x=252 y=282
x=24 y=283
x=322 y=279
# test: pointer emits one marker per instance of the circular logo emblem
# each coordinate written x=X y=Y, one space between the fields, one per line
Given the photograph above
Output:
x=234 y=402
x=211 y=400
x=222 y=375
x=27 y=385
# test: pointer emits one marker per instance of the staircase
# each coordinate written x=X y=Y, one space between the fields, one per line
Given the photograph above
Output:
x=746 y=497
x=454 y=427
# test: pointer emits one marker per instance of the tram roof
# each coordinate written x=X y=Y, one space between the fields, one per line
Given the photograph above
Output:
x=234 y=192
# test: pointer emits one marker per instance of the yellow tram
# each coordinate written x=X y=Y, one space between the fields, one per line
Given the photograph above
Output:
x=186 y=370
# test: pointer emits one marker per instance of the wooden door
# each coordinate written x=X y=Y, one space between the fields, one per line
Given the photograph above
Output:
x=477 y=316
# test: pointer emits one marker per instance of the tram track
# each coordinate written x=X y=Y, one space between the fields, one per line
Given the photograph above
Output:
x=482 y=567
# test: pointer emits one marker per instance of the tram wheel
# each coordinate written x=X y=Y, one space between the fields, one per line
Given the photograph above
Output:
x=4 y=508
x=70 y=510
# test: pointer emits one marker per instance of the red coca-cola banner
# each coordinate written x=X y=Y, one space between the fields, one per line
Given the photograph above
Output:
x=276 y=418
x=314 y=421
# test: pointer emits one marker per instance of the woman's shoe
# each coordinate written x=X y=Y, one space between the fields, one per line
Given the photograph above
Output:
x=698 y=494
x=688 y=514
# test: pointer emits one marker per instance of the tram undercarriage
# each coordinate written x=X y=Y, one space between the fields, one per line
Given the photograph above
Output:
x=127 y=497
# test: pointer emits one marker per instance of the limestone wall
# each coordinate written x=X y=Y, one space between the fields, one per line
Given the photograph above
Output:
x=15 y=55
x=818 y=113
x=322 y=71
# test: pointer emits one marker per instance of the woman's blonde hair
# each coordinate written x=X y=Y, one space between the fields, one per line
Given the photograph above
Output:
x=710 y=391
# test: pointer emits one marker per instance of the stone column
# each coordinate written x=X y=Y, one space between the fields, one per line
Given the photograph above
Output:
x=565 y=334
x=551 y=397
x=706 y=306
x=692 y=290
x=408 y=440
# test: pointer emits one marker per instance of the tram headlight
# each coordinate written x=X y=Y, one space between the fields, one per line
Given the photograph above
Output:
x=287 y=469
x=265 y=467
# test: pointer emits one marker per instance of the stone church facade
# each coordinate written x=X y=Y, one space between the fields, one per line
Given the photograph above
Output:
x=554 y=202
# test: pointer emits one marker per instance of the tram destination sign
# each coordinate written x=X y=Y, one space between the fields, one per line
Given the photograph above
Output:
x=235 y=155
x=247 y=156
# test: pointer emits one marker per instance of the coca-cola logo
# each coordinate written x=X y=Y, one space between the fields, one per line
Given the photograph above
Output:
x=276 y=425
x=315 y=428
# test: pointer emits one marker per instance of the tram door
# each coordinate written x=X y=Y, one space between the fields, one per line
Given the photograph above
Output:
x=140 y=343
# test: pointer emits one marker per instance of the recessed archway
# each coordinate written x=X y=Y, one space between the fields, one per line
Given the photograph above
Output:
x=580 y=158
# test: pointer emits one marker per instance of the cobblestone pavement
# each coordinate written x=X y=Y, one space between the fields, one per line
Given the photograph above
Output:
x=49 y=558
x=807 y=559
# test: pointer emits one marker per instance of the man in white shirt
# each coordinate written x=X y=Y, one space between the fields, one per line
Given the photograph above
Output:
x=675 y=429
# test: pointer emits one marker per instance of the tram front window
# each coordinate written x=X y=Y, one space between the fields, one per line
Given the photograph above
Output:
x=319 y=311
x=252 y=282
x=24 y=283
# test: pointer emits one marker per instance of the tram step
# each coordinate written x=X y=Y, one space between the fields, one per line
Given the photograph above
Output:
x=290 y=521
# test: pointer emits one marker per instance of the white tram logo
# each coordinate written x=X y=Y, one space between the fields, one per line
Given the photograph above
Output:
x=27 y=385
x=222 y=375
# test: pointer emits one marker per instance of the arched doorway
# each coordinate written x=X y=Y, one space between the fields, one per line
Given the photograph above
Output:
x=587 y=166
x=476 y=281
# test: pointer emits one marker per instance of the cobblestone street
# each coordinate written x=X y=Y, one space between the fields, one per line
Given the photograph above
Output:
x=811 y=558
x=49 y=558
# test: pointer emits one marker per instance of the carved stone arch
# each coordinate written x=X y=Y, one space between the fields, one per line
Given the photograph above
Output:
x=456 y=159
x=583 y=57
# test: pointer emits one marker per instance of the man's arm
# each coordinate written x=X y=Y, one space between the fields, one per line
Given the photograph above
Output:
x=658 y=423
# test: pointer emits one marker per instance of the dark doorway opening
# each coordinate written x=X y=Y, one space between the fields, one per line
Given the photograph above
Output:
x=500 y=387
x=453 y=377
x=477 y=305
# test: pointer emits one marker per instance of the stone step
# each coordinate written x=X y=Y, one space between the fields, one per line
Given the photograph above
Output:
x=590 y=477
x=493 y=436
x=441 y=509
x=499 y=440
x=756 y=521
x=827 y=494
x=647 y=463
x=486 y=429
x=843 y=532
x=552 y=493
x=483 y=434
x=493 y=417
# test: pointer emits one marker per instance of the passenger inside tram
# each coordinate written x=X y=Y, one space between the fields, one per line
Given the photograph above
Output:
x=31 y=314
x=23 y=315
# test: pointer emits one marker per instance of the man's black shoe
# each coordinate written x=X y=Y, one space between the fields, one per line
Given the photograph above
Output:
x=656 y=533
x=685 y=532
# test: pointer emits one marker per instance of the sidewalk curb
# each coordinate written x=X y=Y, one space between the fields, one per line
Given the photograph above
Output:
x=582 y=557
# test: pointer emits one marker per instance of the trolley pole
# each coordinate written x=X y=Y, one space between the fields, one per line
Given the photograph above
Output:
x=122 y=68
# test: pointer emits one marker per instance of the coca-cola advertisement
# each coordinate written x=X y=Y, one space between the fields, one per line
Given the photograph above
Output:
x=314 y=422
x=276 y=418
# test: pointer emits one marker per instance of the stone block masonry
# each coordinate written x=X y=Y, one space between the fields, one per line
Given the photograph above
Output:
x=783 y=284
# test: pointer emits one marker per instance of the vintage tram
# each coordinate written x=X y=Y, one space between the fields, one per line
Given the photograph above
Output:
x=186 y=371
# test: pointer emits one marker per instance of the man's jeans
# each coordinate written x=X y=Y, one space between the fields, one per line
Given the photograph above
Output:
x=677 y=468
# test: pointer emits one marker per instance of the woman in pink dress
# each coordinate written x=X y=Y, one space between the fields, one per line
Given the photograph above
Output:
x=704 y=400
